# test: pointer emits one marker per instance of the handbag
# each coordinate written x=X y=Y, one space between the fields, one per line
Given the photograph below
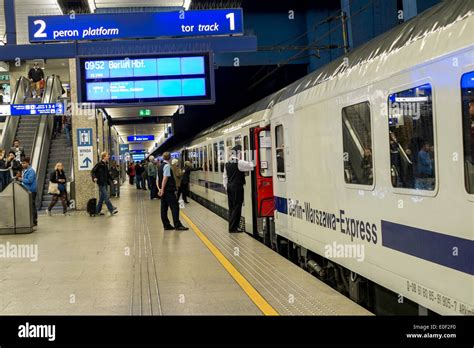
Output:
x=53 y=188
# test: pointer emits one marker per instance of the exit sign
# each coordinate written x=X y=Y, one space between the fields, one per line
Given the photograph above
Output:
x=145 y=112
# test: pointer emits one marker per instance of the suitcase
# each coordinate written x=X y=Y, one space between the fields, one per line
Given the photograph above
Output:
x=91 y=206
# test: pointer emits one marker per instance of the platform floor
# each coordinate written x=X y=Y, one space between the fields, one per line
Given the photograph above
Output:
x=128 y=265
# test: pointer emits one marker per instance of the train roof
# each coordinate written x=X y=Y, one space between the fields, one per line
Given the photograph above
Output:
x=436 y=18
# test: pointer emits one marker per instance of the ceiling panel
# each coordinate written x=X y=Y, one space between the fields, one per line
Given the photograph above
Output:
x=138 y=3
x=25 y=8
x=157 y=130
x=134 y=112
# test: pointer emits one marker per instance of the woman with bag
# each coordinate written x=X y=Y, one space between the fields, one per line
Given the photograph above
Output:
x=57 y=187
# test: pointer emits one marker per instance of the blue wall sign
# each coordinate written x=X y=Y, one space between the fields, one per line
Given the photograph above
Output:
x=84 y=137
x=131 y=138
x=37 y=109
x=135 y=25
x=124 y=148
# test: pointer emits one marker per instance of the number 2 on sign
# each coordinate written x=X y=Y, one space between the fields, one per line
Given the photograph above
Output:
x=231 y=18
x=40 y=32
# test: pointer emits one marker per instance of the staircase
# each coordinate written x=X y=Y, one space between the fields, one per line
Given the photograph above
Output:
x=26 y=132
x=58 y=152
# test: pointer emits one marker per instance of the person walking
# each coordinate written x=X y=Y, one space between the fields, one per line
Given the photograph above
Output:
x=234 y=181
x=152 y=171
x=115 y=185
x=139 y=176
x=131 y=173
x=58 y=176
x=184 y=186
x=101 y=176
x=28 y=180
x=167 y=193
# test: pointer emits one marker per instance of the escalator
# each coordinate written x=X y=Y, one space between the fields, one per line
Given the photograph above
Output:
x=34 y=132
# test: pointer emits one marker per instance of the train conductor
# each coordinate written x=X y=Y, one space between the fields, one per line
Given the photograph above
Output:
x=234 y=181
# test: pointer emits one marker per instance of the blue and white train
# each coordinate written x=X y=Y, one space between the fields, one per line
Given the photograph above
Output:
x=365 y=168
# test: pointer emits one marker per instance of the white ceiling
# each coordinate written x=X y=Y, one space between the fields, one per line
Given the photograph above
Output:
x=136 y=3
x=157 y=130
x=25 y=8
x=134 y=112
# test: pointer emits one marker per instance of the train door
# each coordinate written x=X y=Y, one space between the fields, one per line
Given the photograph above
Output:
x=262 y=182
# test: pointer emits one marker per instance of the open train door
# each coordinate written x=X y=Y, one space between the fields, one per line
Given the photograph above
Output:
x=262 y=182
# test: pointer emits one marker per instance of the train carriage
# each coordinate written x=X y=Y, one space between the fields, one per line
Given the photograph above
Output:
x=373 y=151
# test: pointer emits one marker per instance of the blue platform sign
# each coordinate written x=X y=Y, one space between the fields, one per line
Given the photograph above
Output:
x=124 y=148
x=135 y=25
x=37 y=109
x=131 y=138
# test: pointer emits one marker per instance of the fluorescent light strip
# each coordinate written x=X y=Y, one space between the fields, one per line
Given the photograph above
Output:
x=187 y=4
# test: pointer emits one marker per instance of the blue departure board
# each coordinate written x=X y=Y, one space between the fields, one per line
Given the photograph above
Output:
x=161 y=79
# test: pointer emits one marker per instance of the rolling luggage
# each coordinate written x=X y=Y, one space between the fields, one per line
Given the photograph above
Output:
x=91 y=206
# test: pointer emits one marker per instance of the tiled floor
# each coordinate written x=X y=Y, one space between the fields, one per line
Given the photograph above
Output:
x=105 y=265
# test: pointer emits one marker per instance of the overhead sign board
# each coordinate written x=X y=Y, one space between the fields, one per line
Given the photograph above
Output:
x=132 y=138
x=154 y=79
x=33 y=109
x=135 y=25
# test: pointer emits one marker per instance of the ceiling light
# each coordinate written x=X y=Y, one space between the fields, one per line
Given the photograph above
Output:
x=187 y=4
x=92 y=5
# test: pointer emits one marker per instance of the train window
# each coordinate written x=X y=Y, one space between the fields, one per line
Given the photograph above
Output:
x=204 y=159
x=280 y=151
x=265 y=153
x=209 y=150
x=222 y=156
x=411 y=137
x=228 y=142
x=238 y=140
x=246 y=147
x=216 y=165
x=357 y=144
x=201 y=157
x=467 y=94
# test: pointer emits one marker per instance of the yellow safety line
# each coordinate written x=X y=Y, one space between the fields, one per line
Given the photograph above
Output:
x=251 y=292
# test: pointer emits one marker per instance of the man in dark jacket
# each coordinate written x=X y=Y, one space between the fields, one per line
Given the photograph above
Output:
x=184 y=185
x=18 y=150
x=139 y=170
x=234 y=181
x=36 y=75
x=167 y=193
x=102 y=177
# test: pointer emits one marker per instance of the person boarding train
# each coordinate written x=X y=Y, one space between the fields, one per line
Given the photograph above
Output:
x=234 y=181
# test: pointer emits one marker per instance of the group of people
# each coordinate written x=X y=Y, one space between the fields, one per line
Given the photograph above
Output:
x=144 y=175
x=16 y=166
x=10 y=163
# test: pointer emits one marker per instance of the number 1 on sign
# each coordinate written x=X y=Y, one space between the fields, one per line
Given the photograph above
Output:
x=231 y=18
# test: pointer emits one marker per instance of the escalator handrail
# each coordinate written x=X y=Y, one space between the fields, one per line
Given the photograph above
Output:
x=11 y=122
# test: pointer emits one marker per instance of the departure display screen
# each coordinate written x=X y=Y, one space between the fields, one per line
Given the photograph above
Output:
x=156 y=80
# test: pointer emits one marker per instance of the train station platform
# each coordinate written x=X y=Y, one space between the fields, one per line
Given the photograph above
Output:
x=128 y=265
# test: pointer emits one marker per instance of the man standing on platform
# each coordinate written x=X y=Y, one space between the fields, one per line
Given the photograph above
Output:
x=234 y=181
x=151 y=177
x=167 y=193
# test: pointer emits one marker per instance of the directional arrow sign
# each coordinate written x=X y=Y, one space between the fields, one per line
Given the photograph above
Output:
x=86 y=162
x=85 y=157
